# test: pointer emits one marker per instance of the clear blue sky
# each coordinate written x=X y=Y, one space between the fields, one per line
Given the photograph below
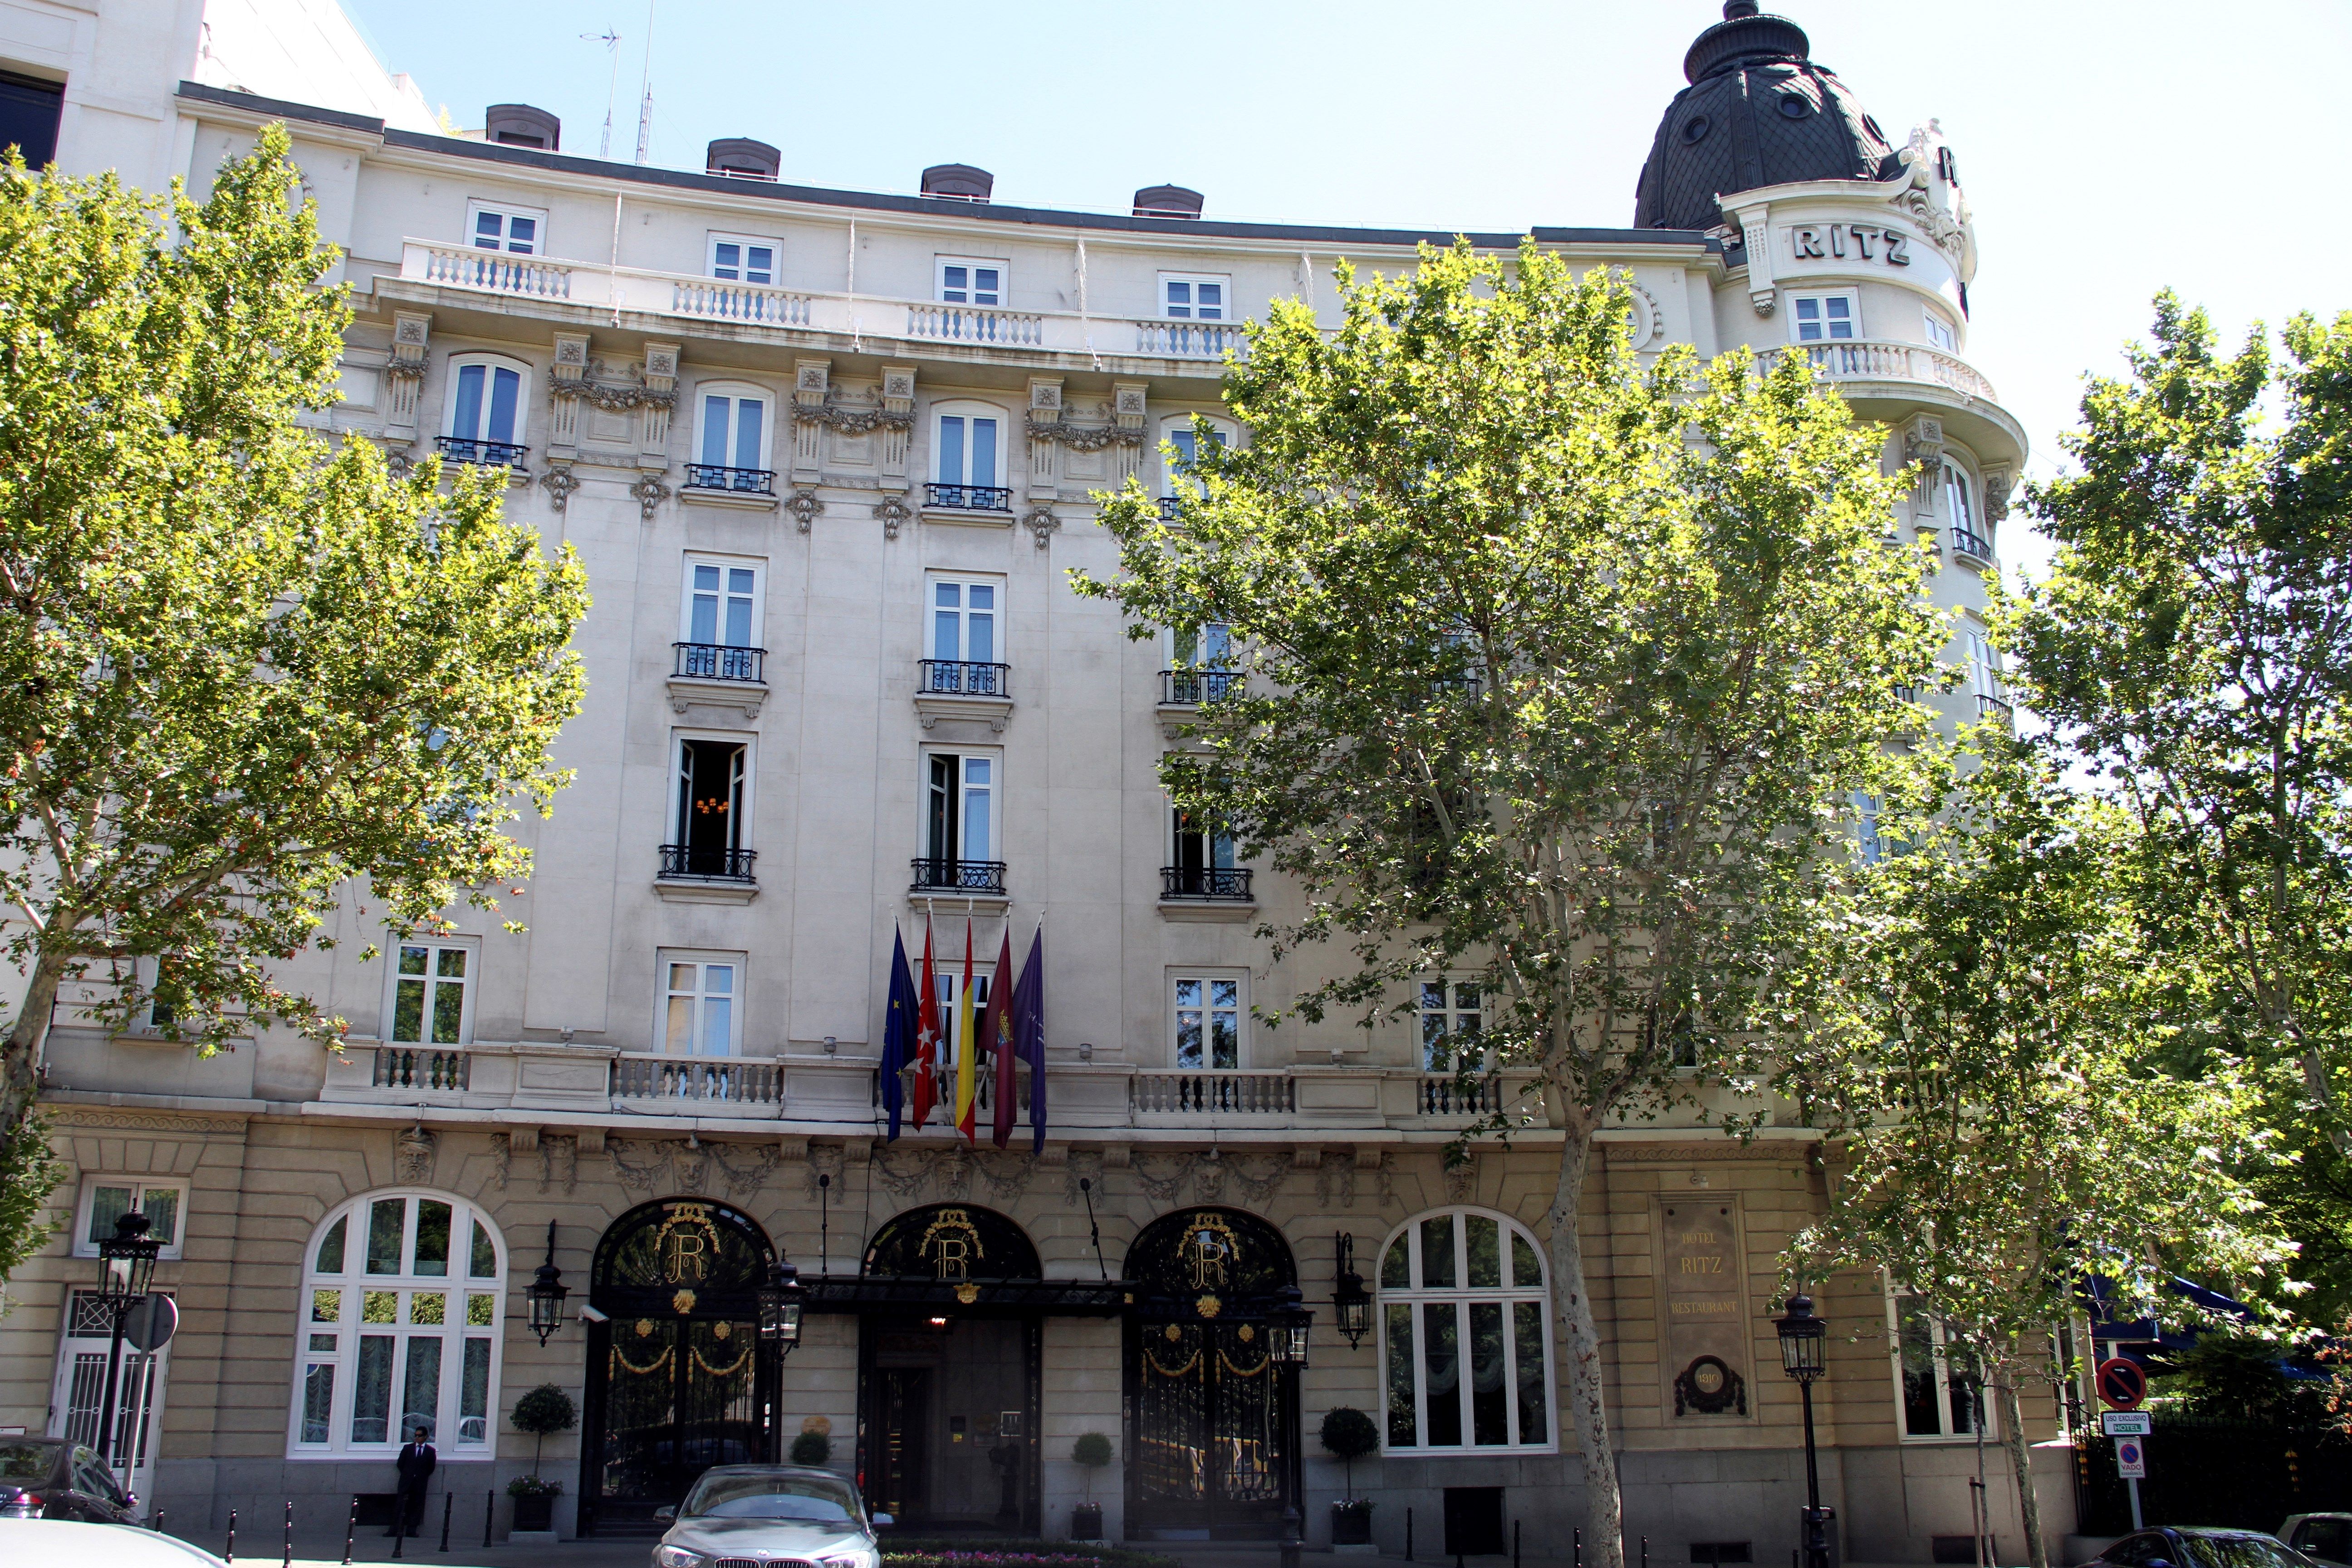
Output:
x=2109 y=148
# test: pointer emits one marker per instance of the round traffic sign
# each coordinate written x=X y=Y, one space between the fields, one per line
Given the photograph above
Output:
x=150 y=1325
x=2122 y=1384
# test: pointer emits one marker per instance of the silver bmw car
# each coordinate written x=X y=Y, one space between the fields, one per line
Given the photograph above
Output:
x=751 y=1516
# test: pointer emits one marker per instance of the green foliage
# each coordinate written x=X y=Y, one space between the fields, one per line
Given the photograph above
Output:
x=1092 y=1449
x=29 y=1172
x=2193 y=650
x=544 y=1410
x=241 y=665
x=811 y=1448
x=2240 y=1377
x=1348 y=1434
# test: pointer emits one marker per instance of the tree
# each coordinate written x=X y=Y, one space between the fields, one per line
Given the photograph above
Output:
x=1980 y=1057
x=241 y=667
x=2193 y=648
x=544 y=1410
x=1556 y=669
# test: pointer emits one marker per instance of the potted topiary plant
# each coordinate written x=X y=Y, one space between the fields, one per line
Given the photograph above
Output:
x=811 y=1448
x=1351 y=1434
x=1091 y=1452
x=544 y=1409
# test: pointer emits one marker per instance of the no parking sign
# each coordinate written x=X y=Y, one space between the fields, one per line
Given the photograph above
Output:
x=2131 y=1458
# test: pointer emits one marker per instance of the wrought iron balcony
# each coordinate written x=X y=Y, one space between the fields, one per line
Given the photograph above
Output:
x=481 y=454
x=742 y=481
x=717 y=661
x=1993 y=708
x=711 y=864
x=933 y=875
x=1971 y=543
x=965 y=677
x=1172 y=507
x=969 y=498
x=1190 y=687
x=1205 y=882
x=1906 y=693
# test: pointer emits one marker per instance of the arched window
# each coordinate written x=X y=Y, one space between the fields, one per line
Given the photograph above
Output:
x=402 y=1297
x=487 y=399
x=1465 y=1339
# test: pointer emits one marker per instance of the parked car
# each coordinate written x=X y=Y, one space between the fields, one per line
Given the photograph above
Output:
x=2187 y=1546
x=767 y=1512
x=99 y=1545
x=53 y=1478
x=2324 y=1537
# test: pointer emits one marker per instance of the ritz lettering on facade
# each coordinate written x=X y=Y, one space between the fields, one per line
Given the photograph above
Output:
x=1822 y=241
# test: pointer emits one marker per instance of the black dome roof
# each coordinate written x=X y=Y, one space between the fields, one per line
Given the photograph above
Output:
x=1758 y=112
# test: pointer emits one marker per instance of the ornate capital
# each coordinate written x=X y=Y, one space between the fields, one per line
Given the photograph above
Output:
x=1042 y=522
x=650 y=492
x=893 y=512
x=804 y=506
x=559 y=481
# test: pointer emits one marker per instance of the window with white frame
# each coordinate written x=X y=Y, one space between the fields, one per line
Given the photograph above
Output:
x=1194 y=295
x=513 y=231
x=105 y=1199
x=1959 y=506
x=1451 y=1012
x=1825 y=318
x=969 y=451
x=1465 y=1343
x=966 y=280
x=1984 y=673
x=711 y=807
x=1185 y=437
x=964 y=618
x=741 y=259
x=400 y=1327
x=722 y=603
x=1940 y=334
x=702 y=1009
x=1933 y=1387
x=430 y=1001
x=733 y=439
x=958 y=813
x=947 y=984
x=1202 y=858
x=1868 y=846
x=165 y=1007
x=486 y=403
x=1207 y=1015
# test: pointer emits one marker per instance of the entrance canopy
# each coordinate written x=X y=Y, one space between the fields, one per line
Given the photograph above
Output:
x=963 y=1259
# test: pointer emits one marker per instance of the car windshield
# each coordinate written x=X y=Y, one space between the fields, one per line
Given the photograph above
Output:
x=809 y=1500
x=26 y=1461
x=2244 y=1552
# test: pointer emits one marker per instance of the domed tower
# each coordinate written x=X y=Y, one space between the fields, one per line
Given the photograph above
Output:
x=1758 y=112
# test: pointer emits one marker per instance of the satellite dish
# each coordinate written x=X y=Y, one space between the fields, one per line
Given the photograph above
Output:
x=150 y=1325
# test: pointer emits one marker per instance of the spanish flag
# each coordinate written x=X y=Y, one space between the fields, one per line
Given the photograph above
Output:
x=967 y=1044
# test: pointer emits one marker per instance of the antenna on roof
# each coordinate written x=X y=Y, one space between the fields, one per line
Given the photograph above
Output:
x=611 y=42
x=646 y=101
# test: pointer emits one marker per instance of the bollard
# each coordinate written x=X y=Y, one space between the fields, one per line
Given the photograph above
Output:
x=1577 y=1550
x=351 y=1530
x=1290 y=1541
x=1408 y=1535
x=399 y=1520
x=159 y=1522
x=448 y=1505
x=228 y=1552
x=288 y=1561
x=1515 y=1544
x=489 y=1507
x=1645 y=1552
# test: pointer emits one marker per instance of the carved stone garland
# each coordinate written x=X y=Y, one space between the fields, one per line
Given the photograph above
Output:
x=650 y=493
x=894 y=513
x=851 y=421
x=805 y=507
x=559 y=481
x=1042 y=522
x=1086 y=437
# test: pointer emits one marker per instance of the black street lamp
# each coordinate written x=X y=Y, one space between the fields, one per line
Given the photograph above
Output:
x=1351 y=1302
x=126 y=1265
x=782 y=1298
x=546 y=1292
x=1286 y=1328
x=1804 y=1340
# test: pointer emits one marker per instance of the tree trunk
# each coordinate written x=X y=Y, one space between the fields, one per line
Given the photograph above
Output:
x=2021 y=1460
x=1580 y=1343
x=20 y=1055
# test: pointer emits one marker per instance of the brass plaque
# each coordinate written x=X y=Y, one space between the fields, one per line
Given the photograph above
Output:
x=1705 y=1332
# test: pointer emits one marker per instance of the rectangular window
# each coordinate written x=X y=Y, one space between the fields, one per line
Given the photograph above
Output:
x=1956 y=502
x=966 y=281
x=486 y=404
x=1451 y=1011
x=1193 y=297
x=516 y=231
x=711 y=782
x=740 y=259
x=1868 y=846
x=1940 y=334
x=1199 y=848
x=968 y=449
x=1186 y=438
x=1984 y=670
x=1933 y=1385
x=1206 y=1019
x=734 y=431
x=474 y=1392
x=30 y=110
x=960 y=808
x=1825 y=318
x=106 y=1199
x=964 y=613
x=722 y=603
x=431 y=995
x=701 y=1012
x=372 y=1390
x=945 y=987
x=319 y=1396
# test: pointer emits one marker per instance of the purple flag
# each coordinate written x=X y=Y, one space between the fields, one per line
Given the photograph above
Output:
x=1029 y=1033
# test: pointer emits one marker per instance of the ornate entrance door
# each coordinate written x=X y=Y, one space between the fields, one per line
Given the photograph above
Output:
x=1215 y=1421
x=677 y=1381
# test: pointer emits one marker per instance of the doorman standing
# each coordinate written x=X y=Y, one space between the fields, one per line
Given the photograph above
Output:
x=416 y=1465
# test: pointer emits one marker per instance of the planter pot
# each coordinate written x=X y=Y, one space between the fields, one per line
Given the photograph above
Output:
x=1350 y=1526
x=1085 y=1522
x=535 y=1512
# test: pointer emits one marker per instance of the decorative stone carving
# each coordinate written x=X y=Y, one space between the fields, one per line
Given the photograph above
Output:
x=902 y=1173
x=1997 y=483
x=1462 y=1179
x=559 y=1163
x=689 y=1167
x=827 y=1160
x=1007 y=1174
x=1084 y=438
x=399 y=465
x=559 y=481
x=412 y=1158
x=650 y=493
x=1335 y=1178
x=1385 y=1175
x=636 y=1164
x=805 y=507
x=954 y=1170
x=1084 y=1164
x=895 y=514
x=501 y=1156
x=658 y=397
x=853 y=421
x=1042 y=522
x=1160 y=1188
x=1260 y=1187
x=404 y=372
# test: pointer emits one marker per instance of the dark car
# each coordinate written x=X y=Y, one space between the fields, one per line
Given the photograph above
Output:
x=2187 y=1546
x=2326 y=1537
x=48 y=1477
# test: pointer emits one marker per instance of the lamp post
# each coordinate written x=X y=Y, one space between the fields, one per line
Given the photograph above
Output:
x=1286 y=1327
x=1351 y=1304
x=126 y=1265
x=782 y=1298
x=546 y=1292
x=1803 y=1339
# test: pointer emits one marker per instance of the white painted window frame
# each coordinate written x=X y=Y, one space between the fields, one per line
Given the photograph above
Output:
x=756 y=565
x=1462 y=1295
x=745 y=244
x=173 y=1246
x=737 y=394
x=470 y=983
x=506 y=212
x=1004 y=288
x=1854 y=307
x=1942 y=1366
x=1190 y=310
x=492 y=362
x=702 y=959
x=968 y=409
x=1209 y=974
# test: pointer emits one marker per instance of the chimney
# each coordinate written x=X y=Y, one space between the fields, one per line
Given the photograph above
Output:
x=957 y=182
x=521 y=125
x=1166 y=201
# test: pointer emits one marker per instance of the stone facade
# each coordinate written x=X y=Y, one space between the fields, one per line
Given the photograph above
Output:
x=850 y=504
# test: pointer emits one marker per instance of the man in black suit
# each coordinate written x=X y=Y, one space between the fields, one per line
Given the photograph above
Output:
x=415 y=1465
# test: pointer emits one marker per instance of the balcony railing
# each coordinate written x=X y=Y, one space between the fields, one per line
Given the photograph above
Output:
x=975 y=325
x=712 y=300
x=1172 y=509
x=1223 y=1093
x=717 y=661
x=1994 y=707
x=715 y=864
x=1190 y=339
x=444 y=1070
x=1866 y=360
x=481 y=454
x=933 y=875
x=1906 y=693
x=742 y=481
x=1190 y=687
x=969 y=498
x=1968 y=543
x=644 y=1076
x=965 y=677
x=1205 y=882
x=493 y=272
x=1443 y=1094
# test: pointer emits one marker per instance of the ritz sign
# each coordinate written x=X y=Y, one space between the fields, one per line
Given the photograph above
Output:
x=1826 y=241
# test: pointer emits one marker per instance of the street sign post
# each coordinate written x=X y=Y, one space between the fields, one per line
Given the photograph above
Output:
x=2131 y=1464
x=2122 y=1384
x=2126 y=1422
